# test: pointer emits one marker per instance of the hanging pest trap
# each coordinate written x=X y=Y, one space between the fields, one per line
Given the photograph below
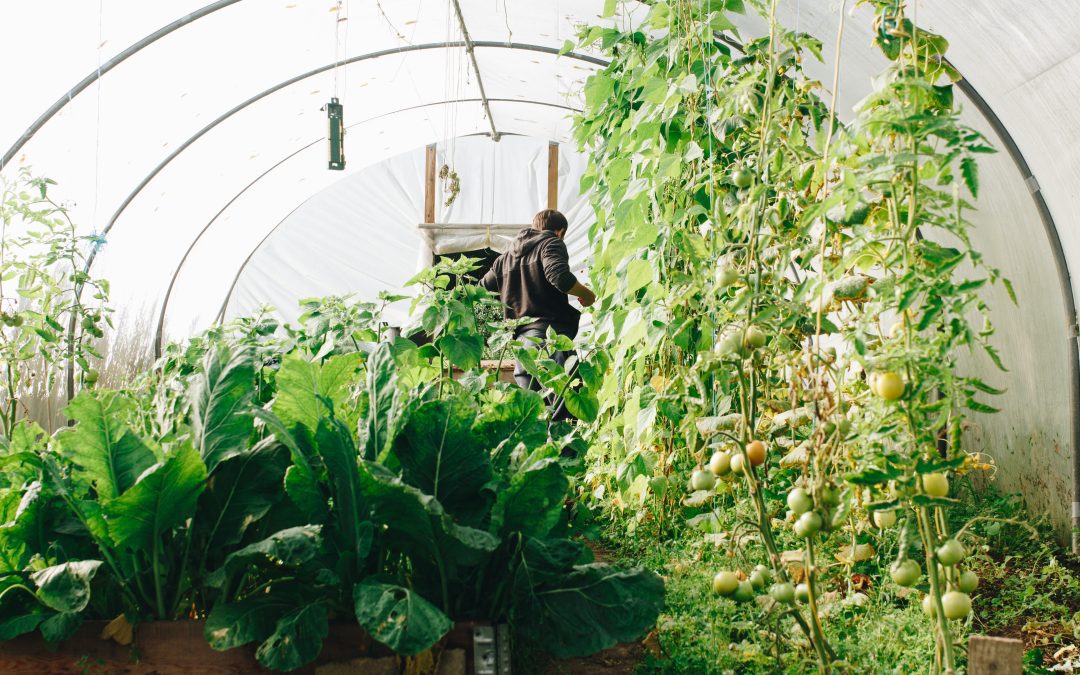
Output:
x=336 y=136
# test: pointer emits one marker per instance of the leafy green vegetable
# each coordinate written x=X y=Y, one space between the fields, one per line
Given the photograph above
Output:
x=109 y=455
x=66 y=587
x=164 y=497
x=398 y=617
x=221 y=399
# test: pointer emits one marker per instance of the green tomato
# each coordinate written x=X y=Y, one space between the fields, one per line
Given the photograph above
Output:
x=884 y=519
x=783 y=593
x=702 y=480
x=968 y=581
x=757 y=580
x=90 y=376
x=956 y=605
x=742 y=178
x=905 y=572
x=765 y=571
x=730 y=344
x=745 y=592
x=720 y=463
x=754 y=338
x=809 y=522
x=928 y=605
x=888 y=386
x=726 y=276
x=737 y=463
x=799 y=501
x=725 y=583
x=950 y=553
x=830 y=496
x=802 y=593
x=935 y=484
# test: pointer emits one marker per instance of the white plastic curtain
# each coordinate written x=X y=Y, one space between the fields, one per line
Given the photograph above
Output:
x=403 y=89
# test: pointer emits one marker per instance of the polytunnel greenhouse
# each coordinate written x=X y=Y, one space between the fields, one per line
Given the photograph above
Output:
x=563 y=336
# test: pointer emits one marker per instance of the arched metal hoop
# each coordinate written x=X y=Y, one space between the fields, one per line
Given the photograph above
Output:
x=97 y=73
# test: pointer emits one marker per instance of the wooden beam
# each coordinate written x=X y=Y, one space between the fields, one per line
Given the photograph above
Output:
x=553 y=175
x=429 y=185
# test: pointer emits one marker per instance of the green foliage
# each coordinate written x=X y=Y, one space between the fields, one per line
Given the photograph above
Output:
x=398 y=617
x=759 y=269
x=47 y=328
x=410 y=501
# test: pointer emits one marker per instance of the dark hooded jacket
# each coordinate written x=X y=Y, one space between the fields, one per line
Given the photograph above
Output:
x=533 y=279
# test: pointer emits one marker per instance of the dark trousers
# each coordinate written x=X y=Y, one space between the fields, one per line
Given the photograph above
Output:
x=527 y=381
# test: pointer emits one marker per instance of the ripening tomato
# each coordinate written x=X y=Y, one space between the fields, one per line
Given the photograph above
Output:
x=935 y=484
x=720 y=463
x=755 y=452
x=725 y=583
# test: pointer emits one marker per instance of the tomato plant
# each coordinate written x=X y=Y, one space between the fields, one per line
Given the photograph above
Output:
x=783 y=295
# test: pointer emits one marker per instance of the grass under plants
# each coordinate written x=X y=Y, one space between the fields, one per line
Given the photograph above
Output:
x=1029 y=589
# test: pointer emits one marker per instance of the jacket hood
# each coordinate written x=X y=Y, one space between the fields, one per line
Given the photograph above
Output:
x=528 y=239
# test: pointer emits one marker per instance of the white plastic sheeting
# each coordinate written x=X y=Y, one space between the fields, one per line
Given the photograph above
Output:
x=402 y=90
x=236 y=175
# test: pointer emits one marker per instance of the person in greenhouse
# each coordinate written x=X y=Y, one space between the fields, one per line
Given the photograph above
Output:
x=533 y=280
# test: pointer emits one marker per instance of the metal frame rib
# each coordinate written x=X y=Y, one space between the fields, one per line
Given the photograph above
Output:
x=476 y=68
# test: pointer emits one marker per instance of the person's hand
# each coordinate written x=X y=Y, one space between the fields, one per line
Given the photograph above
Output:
x=587 y=299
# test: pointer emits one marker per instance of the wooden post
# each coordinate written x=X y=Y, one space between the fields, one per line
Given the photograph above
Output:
x=553 y=175
x=429 y=185
x=995 y=656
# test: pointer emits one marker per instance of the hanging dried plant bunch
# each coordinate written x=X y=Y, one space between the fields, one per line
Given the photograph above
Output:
x=451 y=183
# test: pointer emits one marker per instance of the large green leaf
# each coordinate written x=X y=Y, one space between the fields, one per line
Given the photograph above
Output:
x=416 y=524
x=164 y=497
x=339 y=455
x=305 y=388
x=441 y=456
x=381 y=398
x=66 y=587
x=533 y=502
x=19 y=625
x=462 y=348
x=60 y=626
x=242 y=491
x=304 y=491
x=510 y=417
x=582 y=609
x=252 y=619
x=398 y=617
x=21 y=509
x=109 y=455
x=297 y=638
x=290 y=624
x=288 y=548
x=221 y=393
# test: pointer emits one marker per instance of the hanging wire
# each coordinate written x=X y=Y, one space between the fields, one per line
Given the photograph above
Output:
x=337 y=48
x=97 y=126
x=345 y=49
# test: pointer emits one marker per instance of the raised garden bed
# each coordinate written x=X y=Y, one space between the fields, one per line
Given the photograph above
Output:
x=179 y=647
